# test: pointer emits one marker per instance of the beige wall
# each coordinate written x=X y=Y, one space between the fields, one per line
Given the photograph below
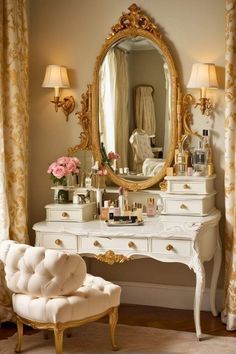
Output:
x=71 y=33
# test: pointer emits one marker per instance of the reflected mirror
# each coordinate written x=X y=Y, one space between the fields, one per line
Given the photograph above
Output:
x=135 y=100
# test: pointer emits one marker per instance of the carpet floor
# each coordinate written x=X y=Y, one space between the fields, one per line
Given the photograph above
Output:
x=94 y=338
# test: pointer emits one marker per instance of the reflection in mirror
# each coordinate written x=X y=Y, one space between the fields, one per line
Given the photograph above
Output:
x=134 y=106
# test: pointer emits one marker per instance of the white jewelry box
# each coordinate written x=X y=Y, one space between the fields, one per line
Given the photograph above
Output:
x=70 y=212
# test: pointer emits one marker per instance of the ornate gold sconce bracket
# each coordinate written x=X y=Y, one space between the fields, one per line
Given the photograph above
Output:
x=67 y=105
x=205 y=106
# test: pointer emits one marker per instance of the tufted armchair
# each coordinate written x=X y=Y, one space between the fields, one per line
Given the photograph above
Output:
x=51 y=290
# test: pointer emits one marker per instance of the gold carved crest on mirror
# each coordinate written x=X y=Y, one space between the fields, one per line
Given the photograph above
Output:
x=134 y=19
x=139 y=126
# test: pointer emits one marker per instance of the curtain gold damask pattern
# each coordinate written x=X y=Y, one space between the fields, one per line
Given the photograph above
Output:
x=14 y=120
x=229 y=312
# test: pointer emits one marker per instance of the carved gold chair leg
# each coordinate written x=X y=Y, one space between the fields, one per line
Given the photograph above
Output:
x=19 y=324
x=113 y=318
x=58 y=335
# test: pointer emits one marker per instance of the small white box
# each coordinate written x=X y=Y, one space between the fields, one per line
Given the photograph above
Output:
x=70 y=212
x=190 y=185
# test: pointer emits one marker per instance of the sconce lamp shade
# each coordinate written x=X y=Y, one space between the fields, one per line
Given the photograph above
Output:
x=56 y=76
x=203 y=76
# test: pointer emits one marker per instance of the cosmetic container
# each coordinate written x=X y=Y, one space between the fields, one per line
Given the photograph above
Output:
x=151 y=209
x=104 y=213
x=121 y=200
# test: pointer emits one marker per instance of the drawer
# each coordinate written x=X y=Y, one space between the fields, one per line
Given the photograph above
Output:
x=190 y=185
x=188 y=206
x=64 y=215
x=70 y=212
x=98 y=244
x=173 y=248
x=57 y=241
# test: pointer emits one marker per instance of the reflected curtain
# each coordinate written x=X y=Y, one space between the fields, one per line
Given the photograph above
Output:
x=107 y=101
x=229 y=312
x=13 y=131
x=113 y=108
x=144 y=110
x=167 y=110
x=122 y=116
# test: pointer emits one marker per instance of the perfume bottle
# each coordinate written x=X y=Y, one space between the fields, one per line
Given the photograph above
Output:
x=151 y=209
x=207 y=148
x=139 y=212
x=199 y=160
x=181 y=166
x=121 y=199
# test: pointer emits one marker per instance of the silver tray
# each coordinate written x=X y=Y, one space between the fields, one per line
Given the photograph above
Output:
x=123 y=223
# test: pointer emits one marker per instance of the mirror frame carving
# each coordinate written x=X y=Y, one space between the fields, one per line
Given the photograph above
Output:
x=132 y=24
x=186 y=118
x=85 y=120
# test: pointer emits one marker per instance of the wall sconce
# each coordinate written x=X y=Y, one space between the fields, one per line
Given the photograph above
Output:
x=203 y=77
x=56 y=77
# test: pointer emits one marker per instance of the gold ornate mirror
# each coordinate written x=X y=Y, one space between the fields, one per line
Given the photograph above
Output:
x=134 y=102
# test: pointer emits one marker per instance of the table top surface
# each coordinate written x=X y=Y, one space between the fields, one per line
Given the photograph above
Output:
x=159 y=226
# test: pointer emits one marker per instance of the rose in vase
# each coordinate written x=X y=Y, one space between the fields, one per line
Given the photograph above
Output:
x=63 y=167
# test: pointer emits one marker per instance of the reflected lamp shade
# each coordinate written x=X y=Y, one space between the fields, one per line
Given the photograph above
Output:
x=56 y=76
x=203 y=76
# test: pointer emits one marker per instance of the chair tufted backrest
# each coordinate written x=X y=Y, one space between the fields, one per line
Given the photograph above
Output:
x=40 y=272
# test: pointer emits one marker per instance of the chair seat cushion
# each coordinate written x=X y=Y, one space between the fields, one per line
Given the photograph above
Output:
x=94 y=297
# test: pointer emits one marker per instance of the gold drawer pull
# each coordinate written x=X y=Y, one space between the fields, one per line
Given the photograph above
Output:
x=65 y=215
x=169 y=247
x=131 y=244
x=58 y=242
x=186 y=186
x=97 y=244
x=183 y=206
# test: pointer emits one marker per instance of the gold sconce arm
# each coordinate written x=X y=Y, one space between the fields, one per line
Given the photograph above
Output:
x=67 y=105
x=205 y=106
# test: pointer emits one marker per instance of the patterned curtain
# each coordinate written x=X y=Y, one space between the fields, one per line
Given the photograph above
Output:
x=14 y=120
x=229 y=312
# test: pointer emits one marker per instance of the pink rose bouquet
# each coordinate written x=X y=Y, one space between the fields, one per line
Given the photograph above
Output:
x=62 y=167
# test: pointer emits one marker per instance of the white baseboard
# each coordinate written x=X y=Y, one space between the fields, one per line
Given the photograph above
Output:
x=170 y=296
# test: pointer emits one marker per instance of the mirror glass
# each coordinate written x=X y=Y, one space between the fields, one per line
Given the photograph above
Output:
x=135 y=107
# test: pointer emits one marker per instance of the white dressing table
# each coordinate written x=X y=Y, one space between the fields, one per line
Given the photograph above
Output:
x=166 y=238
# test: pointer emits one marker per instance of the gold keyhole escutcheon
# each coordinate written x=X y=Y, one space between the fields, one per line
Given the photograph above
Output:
x=97 y=244
x=65 y=214
x=186 y=186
